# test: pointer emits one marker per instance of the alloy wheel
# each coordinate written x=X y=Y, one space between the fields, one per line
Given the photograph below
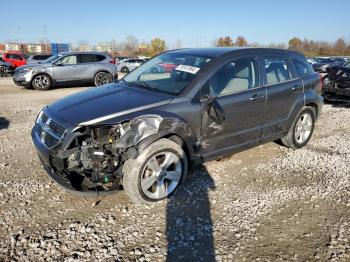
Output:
x=303 y=128
x=102 y=78
x=161 y=175
x=41 y=82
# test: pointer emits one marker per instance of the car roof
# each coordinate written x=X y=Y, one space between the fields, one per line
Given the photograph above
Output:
x=219 y=51
x=81 y=52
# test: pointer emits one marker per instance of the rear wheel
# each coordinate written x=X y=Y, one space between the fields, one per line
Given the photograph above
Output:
x=156 y=173
x=326 y=81
x=41 y=82
x=102 y=78
x=125 y=70
x=301 y=131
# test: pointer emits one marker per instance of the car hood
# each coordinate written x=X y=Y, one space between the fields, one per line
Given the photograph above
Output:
x=100 y=104
x=33 y=66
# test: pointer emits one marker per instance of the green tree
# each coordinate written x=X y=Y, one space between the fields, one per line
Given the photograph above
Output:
x=158 y=45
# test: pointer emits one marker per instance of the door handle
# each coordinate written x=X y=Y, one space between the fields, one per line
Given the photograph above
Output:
x=297 y=88
x=256 y=98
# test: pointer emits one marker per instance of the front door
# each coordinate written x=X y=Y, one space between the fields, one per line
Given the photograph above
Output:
x=66 y=69
x=234 y=111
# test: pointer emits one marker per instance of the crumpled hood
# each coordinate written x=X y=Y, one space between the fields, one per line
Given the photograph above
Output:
x=99 y=104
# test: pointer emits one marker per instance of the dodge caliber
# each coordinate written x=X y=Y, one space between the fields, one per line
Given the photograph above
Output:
x=146 y=132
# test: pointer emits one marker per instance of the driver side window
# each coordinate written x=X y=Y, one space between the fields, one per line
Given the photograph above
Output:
x=69 y=60
x=236 y=76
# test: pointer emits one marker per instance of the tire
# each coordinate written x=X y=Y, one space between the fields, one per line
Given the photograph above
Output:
x=143 y=185
x=102 y=78
x=41 y=82
x=302 y=129
x=125 y=70
x=325 y=81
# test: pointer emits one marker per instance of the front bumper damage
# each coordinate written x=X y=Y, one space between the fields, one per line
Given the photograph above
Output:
x=88 y=160
x=337 y=92
x=22 y=79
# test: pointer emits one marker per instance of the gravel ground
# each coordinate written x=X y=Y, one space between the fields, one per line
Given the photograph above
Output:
x=265 y=204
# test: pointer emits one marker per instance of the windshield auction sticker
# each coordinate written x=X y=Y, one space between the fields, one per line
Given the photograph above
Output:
x=187 y=69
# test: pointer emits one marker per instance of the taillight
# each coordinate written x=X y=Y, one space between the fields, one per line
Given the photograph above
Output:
x=112 y=62
x=321 y=80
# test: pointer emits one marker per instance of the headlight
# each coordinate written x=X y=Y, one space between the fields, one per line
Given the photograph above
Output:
x=346 y=75
x=38 y=118
x=24 y=70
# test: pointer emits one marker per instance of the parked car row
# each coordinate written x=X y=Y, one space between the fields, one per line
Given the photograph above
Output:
x=335 y=72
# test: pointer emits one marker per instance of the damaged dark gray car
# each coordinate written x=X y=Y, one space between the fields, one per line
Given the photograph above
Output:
x=147 y=131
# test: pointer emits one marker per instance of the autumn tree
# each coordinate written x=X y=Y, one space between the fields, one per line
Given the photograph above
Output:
x=295 y=44
x=224 y=41
x=241 y=41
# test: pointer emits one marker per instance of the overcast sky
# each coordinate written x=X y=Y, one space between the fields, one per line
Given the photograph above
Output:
x=196 y=23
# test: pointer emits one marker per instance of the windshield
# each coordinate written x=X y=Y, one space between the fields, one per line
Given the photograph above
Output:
x=168 y=72
x=50 y=59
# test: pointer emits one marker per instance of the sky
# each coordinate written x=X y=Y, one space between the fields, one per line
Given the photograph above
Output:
x=195 y=23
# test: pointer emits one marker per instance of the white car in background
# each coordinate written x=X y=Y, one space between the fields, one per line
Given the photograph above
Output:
x=127 y=65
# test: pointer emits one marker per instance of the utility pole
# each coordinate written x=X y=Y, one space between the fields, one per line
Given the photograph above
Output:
x=45 y=38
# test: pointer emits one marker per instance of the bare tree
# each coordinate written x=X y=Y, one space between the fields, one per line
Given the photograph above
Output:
x=178 y=44
x=131 y=45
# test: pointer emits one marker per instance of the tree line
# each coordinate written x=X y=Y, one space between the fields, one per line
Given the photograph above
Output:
x=132 y=46
x=308 y=47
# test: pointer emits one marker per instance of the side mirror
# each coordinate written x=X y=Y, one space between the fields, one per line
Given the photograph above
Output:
x=213 y=108
x=59 y=63
x=205 y=99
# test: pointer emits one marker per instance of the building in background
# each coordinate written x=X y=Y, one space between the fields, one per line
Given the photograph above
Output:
x=34 y=48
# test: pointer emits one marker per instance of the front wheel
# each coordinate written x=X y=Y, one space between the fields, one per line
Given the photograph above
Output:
x=41 y=82
x=301 y=131
x=156 y=173
x=102 y=78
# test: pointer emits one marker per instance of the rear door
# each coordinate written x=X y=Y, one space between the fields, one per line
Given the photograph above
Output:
x=285 y=95
x=240 y=98
x=86 y=66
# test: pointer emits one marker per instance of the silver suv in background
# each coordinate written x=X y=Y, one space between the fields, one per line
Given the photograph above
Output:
x=68 y=68
x=37 y=59
x=127 y=65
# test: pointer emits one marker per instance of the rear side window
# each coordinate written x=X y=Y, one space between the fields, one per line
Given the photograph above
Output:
x=99 y=58
x=303 y=68
x=276 y=69
x=17 y=57
x=234 y=77
x=87 y=58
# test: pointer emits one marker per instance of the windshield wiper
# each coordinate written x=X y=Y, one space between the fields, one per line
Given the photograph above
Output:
x=142 y=84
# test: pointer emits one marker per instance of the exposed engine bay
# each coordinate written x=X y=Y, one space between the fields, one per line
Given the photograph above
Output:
x=93 y=160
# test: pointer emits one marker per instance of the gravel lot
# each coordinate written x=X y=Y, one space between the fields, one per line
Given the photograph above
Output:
x=266 y=204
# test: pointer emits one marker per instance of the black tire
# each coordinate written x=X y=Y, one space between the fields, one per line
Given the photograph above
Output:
x=102 y=78
x=134 y=170
x=291 y=140
x=125 y=69
x=325 y=81
x=41 y=82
